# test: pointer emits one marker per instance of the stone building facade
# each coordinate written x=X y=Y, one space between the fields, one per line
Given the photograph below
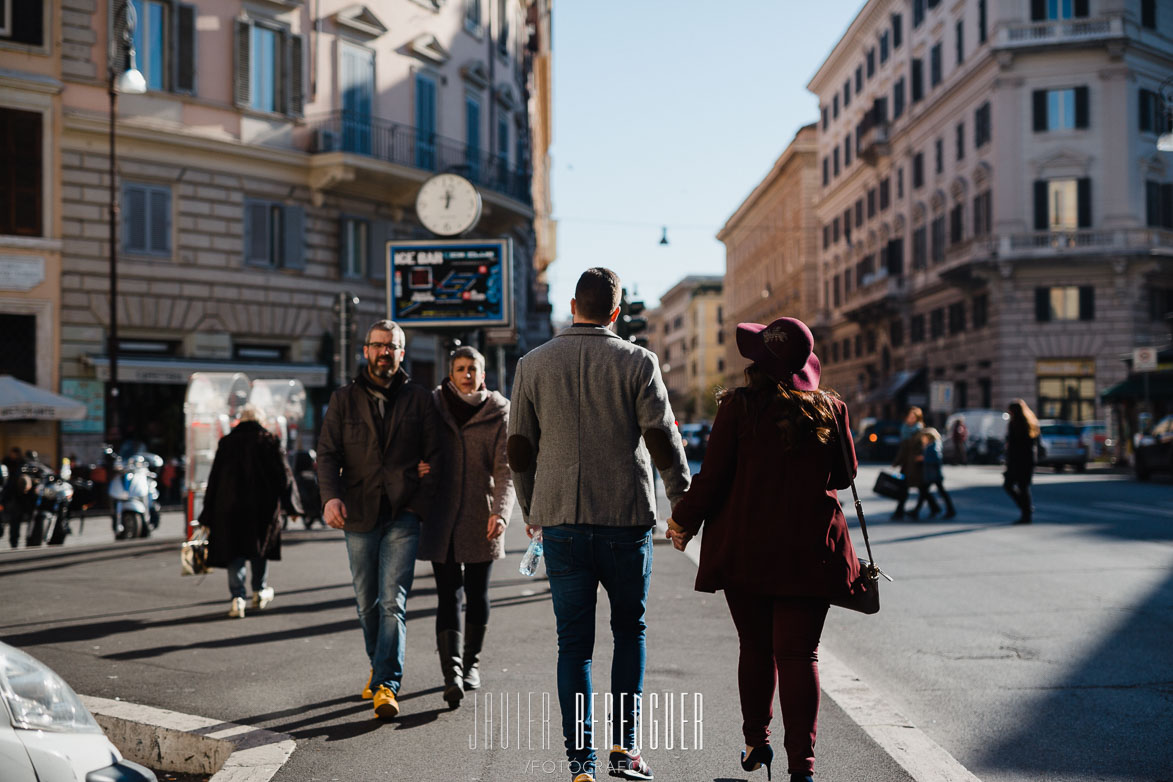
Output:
x=993 y=210
x=687 y=333
x=257 y=189
x=771 y=249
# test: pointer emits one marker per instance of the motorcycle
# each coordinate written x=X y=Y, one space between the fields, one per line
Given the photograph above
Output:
x=135 y=492
x=50 y=519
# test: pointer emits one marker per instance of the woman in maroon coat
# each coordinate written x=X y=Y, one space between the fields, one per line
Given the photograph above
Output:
x=775 y=537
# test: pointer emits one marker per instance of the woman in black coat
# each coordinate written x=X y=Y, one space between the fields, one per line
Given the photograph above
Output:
x=249 y=483
x=1022 y=435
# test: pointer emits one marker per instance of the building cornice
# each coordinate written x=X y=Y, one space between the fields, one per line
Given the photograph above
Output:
x=848 y=43
x=30 y=82
x=805 y=141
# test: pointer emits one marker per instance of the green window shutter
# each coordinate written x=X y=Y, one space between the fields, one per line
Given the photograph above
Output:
x=242 y=89
x=1042 y=304
x=1085 y=202
x=295 y=75
x=159 y=221
x=134 y=218
x=1041 y=211
x=1166 y=202
x=1039 y=110
x=1081 y=107
x=1087 y=302
x=293 y=240
x=185 y=49
x=256 y=233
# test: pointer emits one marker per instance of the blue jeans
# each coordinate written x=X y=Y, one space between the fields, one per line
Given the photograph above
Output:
x=382 y=564
x=578 y=558
x=236 y=575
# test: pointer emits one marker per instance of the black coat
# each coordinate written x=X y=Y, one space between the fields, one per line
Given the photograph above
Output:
x=1020 y=452
x=249 y=483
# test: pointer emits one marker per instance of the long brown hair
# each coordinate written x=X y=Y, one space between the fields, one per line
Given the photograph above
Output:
x=1022 y=416
x=799 y=415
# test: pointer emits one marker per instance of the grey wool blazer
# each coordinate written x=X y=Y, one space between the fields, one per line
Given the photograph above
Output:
x=589 y=412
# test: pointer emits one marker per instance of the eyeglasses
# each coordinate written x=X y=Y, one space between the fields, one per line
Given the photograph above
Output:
x=379 y=347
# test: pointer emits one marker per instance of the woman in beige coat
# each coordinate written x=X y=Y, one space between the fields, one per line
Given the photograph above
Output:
x=464 y=535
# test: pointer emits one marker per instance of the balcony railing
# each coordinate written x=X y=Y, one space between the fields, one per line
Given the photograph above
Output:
x=873 y=143
x=1157 y=241
x=1059 y=31
x=876 y=291
x=359 y=134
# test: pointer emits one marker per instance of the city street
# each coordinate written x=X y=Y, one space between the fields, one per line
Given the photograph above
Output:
x=1025 y=652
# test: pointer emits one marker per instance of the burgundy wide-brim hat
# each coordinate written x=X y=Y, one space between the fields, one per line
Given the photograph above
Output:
x=785 y=349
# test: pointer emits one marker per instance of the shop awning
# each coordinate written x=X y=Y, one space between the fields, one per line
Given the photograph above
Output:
x=21 y=401
x=892 y=386
x=177 y=371
x=1160 y=386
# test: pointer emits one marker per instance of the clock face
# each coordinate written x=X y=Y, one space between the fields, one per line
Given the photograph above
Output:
x=448 y=204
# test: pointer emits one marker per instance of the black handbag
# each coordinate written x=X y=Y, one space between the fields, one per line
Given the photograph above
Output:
x=864 y=593
x=892 y=486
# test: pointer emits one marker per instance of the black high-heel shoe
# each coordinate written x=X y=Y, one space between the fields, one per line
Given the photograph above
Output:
x=761 y=756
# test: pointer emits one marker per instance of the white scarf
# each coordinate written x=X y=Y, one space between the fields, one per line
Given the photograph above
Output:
x=475 y=398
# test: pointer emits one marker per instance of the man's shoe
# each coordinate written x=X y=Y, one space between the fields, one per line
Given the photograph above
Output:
x=237 y=609
x=263 y=598
x=366 y=691
x=627 y=765
x=949 y=514
x=386 y=707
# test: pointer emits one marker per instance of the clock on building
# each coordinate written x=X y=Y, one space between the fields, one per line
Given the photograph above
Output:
x=448 y=205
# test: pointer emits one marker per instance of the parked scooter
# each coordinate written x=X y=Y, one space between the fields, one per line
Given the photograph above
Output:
x=135 y=492
x=40 y=498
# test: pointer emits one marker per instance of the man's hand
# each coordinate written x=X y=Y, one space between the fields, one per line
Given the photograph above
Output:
x=532 y=529
x=496 y=527
x=424 y=468
x=677 y=535
x=335 y=513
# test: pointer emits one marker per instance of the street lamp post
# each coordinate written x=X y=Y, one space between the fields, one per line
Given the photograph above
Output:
x=131 y=82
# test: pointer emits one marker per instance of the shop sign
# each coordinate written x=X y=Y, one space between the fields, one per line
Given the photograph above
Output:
x=1144 y=359
x=1066 y=367
x=462 y=283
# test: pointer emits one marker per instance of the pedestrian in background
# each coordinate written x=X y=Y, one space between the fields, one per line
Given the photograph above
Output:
x=932 y=473
x=1022 y=433
x=375 y=433
x=960 y=435
x=910 y=459
x=464 y=535
x=776 y=540
x=589 y=416
x=248 y=486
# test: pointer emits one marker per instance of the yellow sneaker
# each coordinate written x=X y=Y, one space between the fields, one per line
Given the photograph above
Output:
x=584 y=777
x=366 y=691
x=386 y=707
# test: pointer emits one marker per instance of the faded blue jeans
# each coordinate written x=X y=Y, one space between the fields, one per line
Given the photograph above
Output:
x=579 y=557
x=382 y=564
x=236 y=575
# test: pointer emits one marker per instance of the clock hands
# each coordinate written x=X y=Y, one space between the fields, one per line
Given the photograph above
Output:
x=447 y=198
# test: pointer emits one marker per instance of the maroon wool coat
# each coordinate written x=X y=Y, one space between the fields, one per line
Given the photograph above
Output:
x=772 y=521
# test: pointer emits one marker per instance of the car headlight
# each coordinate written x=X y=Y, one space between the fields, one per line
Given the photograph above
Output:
x=39 y=699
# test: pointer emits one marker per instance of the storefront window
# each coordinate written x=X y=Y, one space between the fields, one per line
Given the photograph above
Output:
x=1067 y=389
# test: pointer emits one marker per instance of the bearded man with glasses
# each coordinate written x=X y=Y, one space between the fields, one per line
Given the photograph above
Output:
x=376 y=432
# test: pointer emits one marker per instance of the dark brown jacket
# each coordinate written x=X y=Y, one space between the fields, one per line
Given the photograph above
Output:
x=353 y=468
x=772 y=521
x=477 y=484
x=249 y=483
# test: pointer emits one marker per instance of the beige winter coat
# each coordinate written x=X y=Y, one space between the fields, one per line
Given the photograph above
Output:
x=476 y=484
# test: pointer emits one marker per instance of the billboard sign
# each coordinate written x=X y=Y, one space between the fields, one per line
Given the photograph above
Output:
x=461 y=283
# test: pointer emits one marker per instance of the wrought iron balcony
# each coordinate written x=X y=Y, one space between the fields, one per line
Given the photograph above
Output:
x=359 y=134
x=873 y=143
x=1059 y=31
x=878 y=294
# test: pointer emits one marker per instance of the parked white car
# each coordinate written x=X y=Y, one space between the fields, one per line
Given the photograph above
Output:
x=47 y=734
x=1060 y=445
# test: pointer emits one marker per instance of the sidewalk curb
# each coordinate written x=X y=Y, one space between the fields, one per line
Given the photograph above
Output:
x=171 y=741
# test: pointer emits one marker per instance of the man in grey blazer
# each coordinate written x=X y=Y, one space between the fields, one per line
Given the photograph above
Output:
x=590 y=415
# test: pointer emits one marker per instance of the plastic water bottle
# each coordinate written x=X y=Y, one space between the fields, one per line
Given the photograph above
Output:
x=532 y=556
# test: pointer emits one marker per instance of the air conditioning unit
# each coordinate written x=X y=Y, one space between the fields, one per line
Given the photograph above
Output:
x=325 y=140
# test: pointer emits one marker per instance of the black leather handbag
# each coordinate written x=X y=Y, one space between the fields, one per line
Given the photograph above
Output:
x=864 y=593
x=894 y=487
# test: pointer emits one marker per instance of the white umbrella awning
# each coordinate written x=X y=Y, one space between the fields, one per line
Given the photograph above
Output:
x=19 y=400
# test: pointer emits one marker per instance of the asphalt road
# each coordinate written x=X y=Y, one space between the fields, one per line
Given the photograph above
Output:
x=1027 y=652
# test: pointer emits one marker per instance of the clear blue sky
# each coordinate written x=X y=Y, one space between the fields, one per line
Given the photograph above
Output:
x=669 y=113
